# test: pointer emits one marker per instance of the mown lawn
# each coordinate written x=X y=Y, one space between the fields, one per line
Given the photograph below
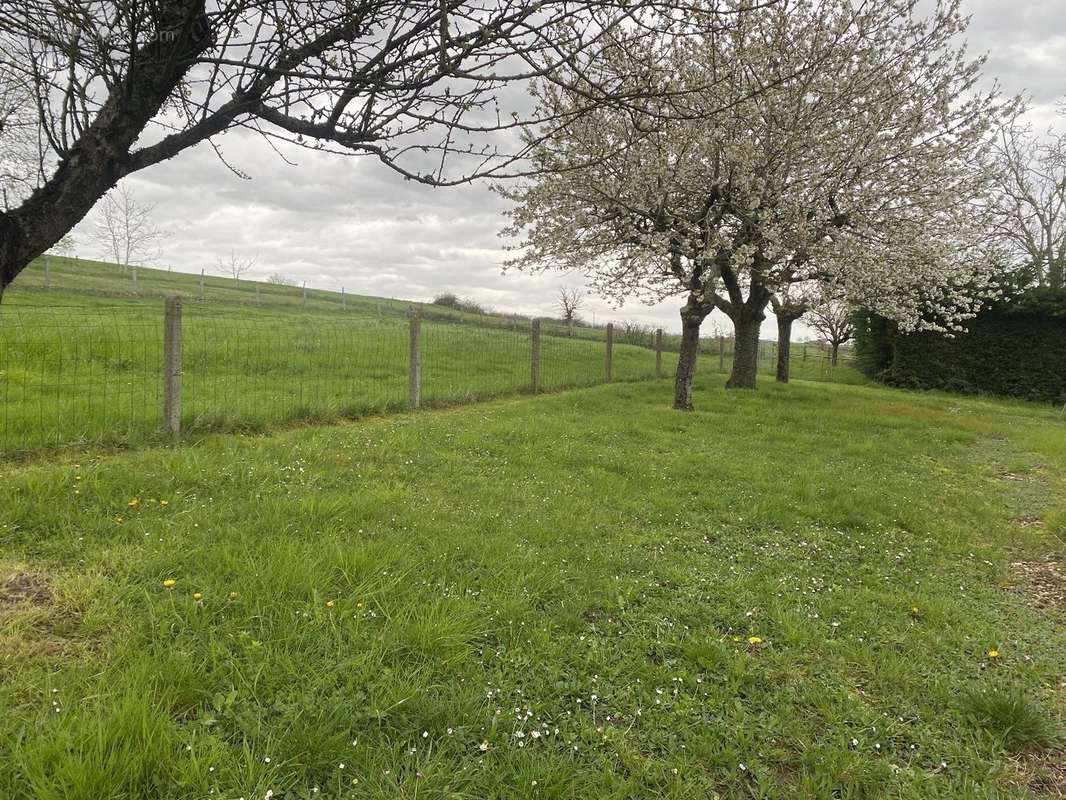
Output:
x=791 y=593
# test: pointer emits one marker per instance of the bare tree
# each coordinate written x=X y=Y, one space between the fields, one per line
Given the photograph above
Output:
x=65 y=246
x=19 y=151
x=1031 y=200
x=839 y=142
x=569 y=302
x=277 y=279
x=236 y=265
x=832 y=319
x=417 y=84
x=634 y=332
x=126 y=230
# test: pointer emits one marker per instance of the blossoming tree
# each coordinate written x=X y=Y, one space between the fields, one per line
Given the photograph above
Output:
x=832 y=142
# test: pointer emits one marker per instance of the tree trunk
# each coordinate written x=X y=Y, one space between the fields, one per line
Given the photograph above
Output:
x=100 y=156
x=686 y=359
x=835 y=349
x=745 y=352
x=1055 y=274
x=784 y=346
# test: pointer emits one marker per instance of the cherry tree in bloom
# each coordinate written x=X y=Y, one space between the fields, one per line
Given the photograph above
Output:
x=831 y=142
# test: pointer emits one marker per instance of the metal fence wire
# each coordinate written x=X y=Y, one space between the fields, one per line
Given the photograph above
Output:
x=75 y=375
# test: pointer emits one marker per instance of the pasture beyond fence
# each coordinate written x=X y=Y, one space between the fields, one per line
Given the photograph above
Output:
x=127 y=374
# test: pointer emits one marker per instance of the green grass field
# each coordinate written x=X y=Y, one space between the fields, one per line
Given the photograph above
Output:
x=786 y=594
x=81 y=362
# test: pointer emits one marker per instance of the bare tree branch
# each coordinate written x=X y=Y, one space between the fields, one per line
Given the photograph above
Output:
x=1030 y=202
x=422 y=86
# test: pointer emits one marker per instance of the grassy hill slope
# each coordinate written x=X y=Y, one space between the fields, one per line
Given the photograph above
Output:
x=81 y=361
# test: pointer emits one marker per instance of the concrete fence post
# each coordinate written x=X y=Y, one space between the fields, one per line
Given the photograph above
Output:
x=47 y=272
x=609 y=357
x=414 y=362
x=721 y=353
x=258 y=300
x=344 y=300
x=659 y=353
x=534 y=356
x=305 y=294
x=201 y=285
x=172 y=365
x=133 y=276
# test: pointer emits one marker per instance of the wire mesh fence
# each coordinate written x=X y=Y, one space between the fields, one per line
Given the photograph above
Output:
x=69 y=375
x=74 y=375
x=257 y=371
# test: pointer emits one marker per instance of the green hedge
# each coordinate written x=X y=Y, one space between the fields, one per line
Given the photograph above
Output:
x=1015 y=349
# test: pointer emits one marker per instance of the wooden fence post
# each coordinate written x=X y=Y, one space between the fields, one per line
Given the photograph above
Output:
x=414 y=363
x=609 y=358
x=659 y=353
x=258 y=300
x=172 y=365
x=534 y=357
x=133 y=275
x=201 y=285
x=305 y=294
x=47 y=272
x=721 y=353
x=344 y=300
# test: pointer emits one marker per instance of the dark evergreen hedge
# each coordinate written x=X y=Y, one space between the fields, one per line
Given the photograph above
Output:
x=1015 y=348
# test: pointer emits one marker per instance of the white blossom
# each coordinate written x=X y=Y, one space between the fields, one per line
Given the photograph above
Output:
x=824 y=142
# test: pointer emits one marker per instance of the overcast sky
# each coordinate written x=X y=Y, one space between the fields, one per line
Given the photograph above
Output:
x=336 y=221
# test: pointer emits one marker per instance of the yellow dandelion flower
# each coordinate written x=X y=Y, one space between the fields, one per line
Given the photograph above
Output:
x=134 y=503
x=329 y=604
x=359 y=604
x=169 y=583
x=993 y=654
x=77 y=477
x=915 y=611
x=232 y=595
x=164 y=502
x=754 y=640
x=197 y=595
